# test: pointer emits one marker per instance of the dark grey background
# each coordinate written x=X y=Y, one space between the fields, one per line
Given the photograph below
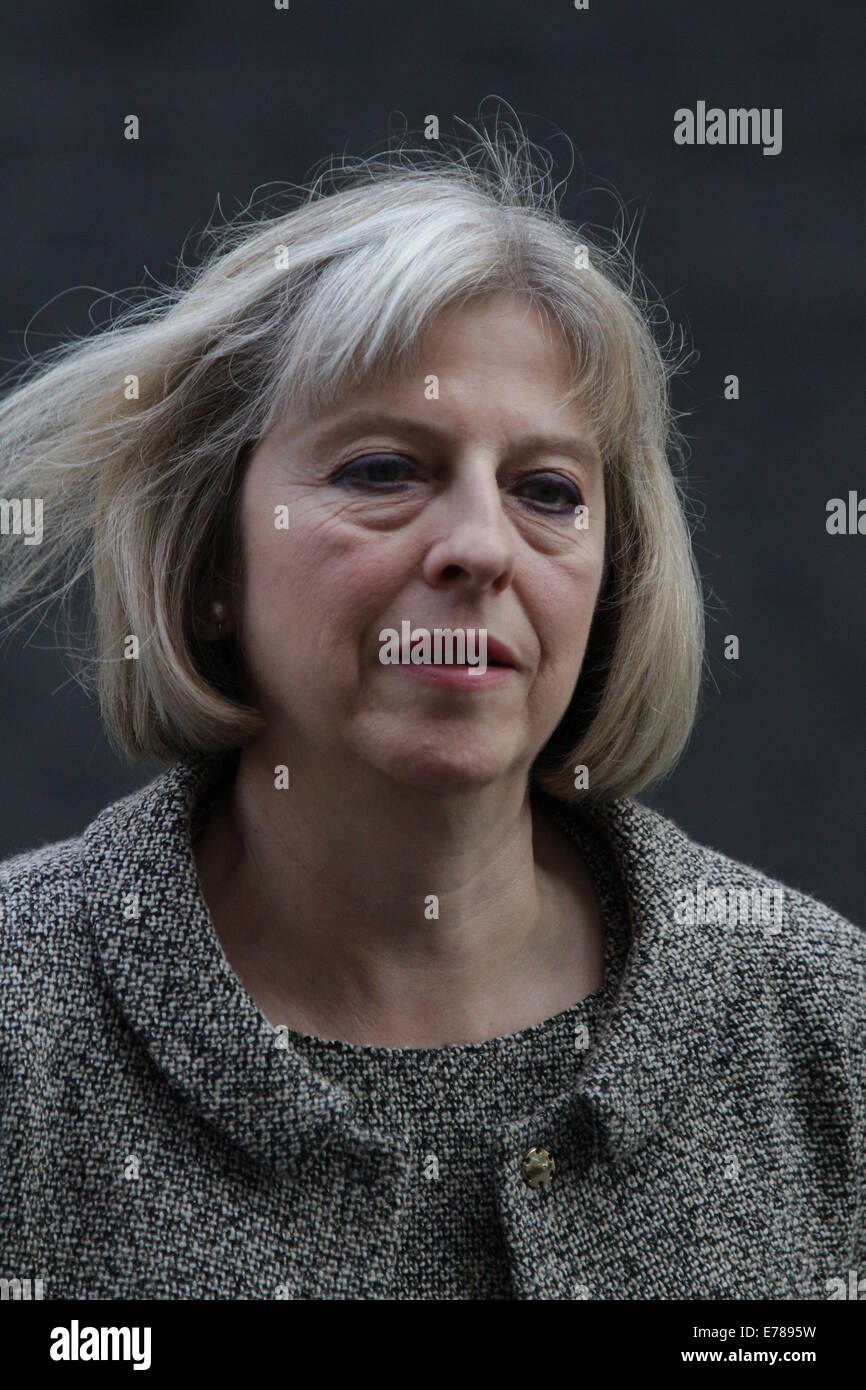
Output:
x=758 y=257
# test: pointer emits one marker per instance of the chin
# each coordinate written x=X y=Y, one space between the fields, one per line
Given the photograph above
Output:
x=443 y=772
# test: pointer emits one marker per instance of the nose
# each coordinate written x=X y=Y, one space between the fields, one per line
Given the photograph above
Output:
x=475 y=549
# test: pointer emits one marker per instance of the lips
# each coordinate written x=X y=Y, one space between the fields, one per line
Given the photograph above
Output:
x=498 y=654
x=437 y=646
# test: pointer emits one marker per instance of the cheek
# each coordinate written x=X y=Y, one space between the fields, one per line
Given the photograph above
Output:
x=565 y=596
x=563 y=634
x=313 y=580
x=273 y=585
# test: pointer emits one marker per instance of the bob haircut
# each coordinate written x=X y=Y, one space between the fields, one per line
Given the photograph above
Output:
x=134 y=437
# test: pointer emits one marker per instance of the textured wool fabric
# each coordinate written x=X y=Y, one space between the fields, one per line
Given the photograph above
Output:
x=159 y=1139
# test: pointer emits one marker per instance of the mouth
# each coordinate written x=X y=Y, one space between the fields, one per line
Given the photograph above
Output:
x=500 y=655
x=491 y=661
x=458 y=649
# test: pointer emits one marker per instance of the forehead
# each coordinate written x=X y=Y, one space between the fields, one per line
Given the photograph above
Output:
x=502 y=332
x=496 y=368
x=488 y=348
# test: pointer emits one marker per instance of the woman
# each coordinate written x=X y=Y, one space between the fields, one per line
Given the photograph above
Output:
x=388 y=987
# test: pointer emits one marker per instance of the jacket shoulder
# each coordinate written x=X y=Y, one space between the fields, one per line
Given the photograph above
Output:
x=43 y=930
x=805 y=923
x=803 y=910
x=807 y=954
x=40 y=886
x=42 y=907
x=44 y=889
x=44 y=947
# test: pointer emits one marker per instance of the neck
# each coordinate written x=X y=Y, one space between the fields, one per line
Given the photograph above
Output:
x=354 y=907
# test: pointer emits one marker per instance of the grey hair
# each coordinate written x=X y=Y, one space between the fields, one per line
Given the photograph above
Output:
x=135 y=435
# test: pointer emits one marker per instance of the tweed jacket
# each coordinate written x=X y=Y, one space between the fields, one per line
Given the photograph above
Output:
x=159 y=1140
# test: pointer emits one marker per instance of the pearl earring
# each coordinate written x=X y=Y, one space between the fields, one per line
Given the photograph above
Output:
x=219 y=612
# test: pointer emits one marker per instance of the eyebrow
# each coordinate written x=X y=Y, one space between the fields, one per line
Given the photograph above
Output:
x=539 y=443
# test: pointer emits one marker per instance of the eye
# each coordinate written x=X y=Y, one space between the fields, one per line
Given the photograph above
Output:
x=551 y=492
x=375 y=471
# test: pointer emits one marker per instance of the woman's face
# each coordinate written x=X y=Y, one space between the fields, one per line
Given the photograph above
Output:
x=456 y=511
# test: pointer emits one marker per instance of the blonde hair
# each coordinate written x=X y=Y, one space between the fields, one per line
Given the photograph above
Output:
x=135 y=437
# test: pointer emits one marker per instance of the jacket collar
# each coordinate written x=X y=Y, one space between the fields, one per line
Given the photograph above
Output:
x=178 y=993
x=669 y=1003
